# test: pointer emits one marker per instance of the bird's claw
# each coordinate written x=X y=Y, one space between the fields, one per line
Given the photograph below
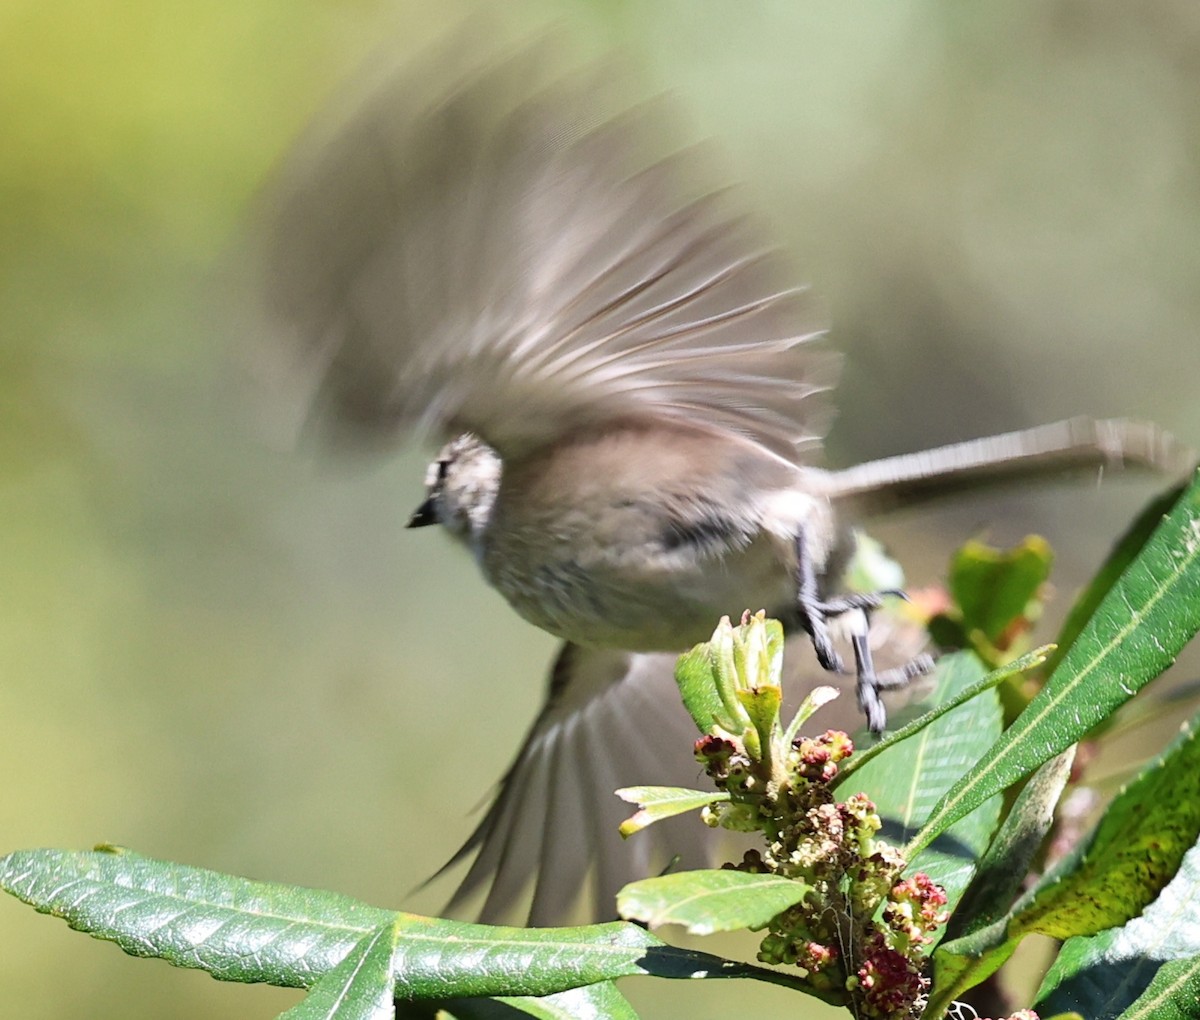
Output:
x=816 y=615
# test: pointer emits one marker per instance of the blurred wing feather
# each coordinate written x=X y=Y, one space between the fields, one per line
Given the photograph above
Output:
x=614 y=719
x=517 y=260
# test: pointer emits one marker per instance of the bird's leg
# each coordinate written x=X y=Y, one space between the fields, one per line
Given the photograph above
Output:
x=815 y=614
x=871 y=683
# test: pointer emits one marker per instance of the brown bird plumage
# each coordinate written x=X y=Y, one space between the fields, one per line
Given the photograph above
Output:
x=634 y=396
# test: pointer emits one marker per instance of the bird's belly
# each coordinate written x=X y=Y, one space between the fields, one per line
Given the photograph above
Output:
x=651 y=603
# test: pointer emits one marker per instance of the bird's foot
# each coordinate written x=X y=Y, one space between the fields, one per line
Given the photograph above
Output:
x=816 y=615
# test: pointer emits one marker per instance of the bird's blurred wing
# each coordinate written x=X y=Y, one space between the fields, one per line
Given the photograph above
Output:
x=613 y=719
x=520 y=254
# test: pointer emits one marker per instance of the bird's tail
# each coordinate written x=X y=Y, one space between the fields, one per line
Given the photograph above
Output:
x=1065 y=447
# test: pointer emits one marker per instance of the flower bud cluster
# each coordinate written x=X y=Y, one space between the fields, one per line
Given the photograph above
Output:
x=861 y=928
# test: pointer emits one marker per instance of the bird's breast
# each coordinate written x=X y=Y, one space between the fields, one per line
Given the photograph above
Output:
x=640 y=548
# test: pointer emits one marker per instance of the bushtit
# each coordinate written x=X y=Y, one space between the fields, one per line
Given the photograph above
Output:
x=633 y=400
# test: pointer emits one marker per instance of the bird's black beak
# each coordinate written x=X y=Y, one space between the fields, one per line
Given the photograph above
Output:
x=423 y=515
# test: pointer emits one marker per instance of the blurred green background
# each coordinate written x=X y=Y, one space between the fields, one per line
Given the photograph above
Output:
x=230 y=654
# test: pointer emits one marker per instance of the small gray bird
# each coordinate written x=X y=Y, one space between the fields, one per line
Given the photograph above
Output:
x=633 y=397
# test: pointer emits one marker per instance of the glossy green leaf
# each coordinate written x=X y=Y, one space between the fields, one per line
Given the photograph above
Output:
x=812 y=702
x=440 y=959
x=659 y=802
x=907 y=781
x=1141 y=624
x=234 y=929
x=361 y=987
x=709 y=901
x=238 y=930
x=600 y=1001
x=758 y=652
x=736 y=671
x=762 y=705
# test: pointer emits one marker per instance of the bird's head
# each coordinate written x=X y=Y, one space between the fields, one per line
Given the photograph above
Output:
x=461 y=484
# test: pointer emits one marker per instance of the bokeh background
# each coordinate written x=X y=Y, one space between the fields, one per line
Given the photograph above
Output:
x=228 y=653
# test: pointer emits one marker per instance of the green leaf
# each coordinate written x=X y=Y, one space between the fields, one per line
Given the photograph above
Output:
x=443 y=959
x=1104 y=974
x=361 y=987
x=907 y=781
x=1145 y=619
x=1174 y=994
x=994 y=587
x=595 y=1002
x=1005 y=866
x=758 y=652
x=1143 y=970
x=1127 y=547
x=1027 y=661
x=694 y=675
x=735 y=669
x=975 y=944
x=1134 y=851
x=238 y=930
x=967 y=961
x=711 y=900
x=234 y=929
x=659 y=802
x=762 y=707
x=870 y=568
